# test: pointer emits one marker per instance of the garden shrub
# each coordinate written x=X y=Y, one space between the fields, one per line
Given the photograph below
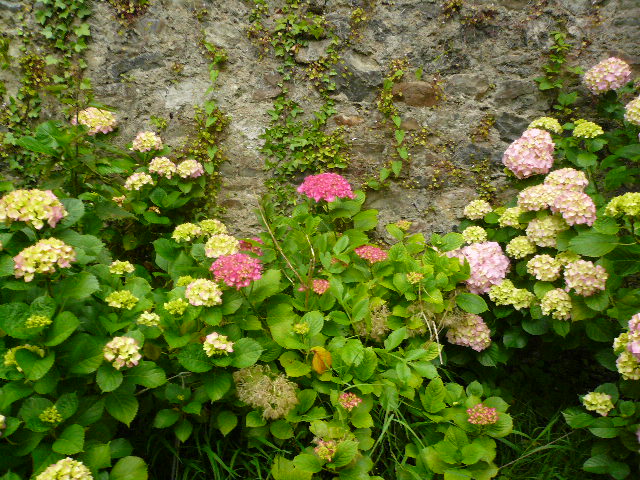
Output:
x=124 y=310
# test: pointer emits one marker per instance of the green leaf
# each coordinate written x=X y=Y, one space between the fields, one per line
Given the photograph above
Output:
x=365 y=220
x=284 y=469
x=33 y=365
x=70 y=441
x=194 y=359
x=165 y=418
x=502 y=428
x=308 y=463
x=147 y=374
x=97 y=457
x=292 y=365
x=395 y=338
x=451 y=241
x=586 y=159
x=352 y=352
x=472 y=303
x=603 y=464
x=122 y=406
x=64 y=324
x=12 y=320
x=433 y=397
x=255 y=419
x=108 y=378
x=281 y=429
x=345 y=453
x=67 y=404
x=83 y=354
x=217 y=385
x=246 y=352
x=226 y=421
x=267 y=286
x=129 y=468
x=77 y=287
x=593 y=244
x=183 y=430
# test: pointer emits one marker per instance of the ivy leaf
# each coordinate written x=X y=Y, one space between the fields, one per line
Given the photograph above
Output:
x=70 y=441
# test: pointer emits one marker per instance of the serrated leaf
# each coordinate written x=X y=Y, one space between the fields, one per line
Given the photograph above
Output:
x=194 y=359
x=129 y=468
x=122 y=406
x=472 y=303
x=108 y=378
x=70 y=441
x=226 y=421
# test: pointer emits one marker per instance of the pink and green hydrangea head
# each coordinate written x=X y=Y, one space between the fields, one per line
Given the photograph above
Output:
x=575 y=207
x=326 y=186
x=481 y=415
x=531 y=154
x=487 y=262
x=371 y=253
x=610 y=74
x=146 y=141
x=237 y=270
x=34 y=207
x=43 y=257
x=203 y=292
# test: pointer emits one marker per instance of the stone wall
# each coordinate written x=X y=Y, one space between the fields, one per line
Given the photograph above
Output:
x=483 y=67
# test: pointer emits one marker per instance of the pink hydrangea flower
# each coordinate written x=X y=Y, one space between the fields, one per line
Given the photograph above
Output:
x=633 y=345
x=237 y=270
x=470 y=331
x=326 y=186
x=481 y=415
x=43 y=258
x=584 y=277
x=96 y=120
x=146 y=141
x=610 y=74
x=122 y=352
x=371 y=253
x=575 y=208
x=349 y=401
x=33 y=207
x=488 y=265
x=320 y=286
x=567 y=179
x=531 y=154
x=247 y=246
x=190 y=169
x=538 y=197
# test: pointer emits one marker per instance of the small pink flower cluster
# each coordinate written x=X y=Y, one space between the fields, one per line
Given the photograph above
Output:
x=470 y=331
x=632 y=111
x=538 y=197
x=544 y=231
x=575 y=207
x=33 y=207
x=610 y=74
x=203 y=292
x=137 y=181
x=190 y=169
x=633 y=346
x=325 y=449
x=216 y=344
x=237 y=270
x=371 y=253
x=96 y=120
x=146 y=141
x=481 y=415
x=122 y=351
x=320 y=286
x=584 y=277
x=488 y=265
x=162 y=166
x=66 y=469
x=247 y=246
x=531 y=154
x=43 y=258
x=349 y=401
x=326 y=186
x=567 y=179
